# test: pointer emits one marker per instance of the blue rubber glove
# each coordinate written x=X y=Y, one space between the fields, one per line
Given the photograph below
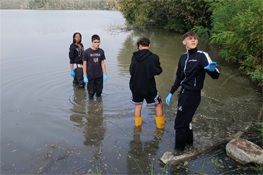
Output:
x=211 y=66
x=72 y=73
x=168 y=99
x=85 y=79
x=105 y=77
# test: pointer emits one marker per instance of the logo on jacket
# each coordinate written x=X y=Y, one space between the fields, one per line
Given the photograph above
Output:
x=180 y=108
x=192 y=60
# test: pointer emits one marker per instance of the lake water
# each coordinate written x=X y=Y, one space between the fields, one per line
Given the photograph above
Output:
x=49 y=127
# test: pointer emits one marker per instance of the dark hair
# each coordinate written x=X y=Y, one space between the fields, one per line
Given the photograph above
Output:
x=75 y=35
x=190 y=33
x=95 y=37
x=143 y=41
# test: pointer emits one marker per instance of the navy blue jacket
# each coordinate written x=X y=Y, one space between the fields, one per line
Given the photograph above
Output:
x=190 y=73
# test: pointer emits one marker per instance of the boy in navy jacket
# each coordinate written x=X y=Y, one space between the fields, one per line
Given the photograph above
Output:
x=190 y=75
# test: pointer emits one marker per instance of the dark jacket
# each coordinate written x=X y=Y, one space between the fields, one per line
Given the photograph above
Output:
x=191 y=73
x=75 y=54
x=144 y=66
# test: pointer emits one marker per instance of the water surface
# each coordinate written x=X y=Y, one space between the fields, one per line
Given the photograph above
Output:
x=47 y=126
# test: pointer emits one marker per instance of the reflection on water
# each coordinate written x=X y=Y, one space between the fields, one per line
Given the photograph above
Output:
x=89 y=116
x=48 y=125
x=140 y=152
x=94 y=128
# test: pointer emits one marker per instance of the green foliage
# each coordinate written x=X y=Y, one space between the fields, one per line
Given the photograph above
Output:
x=170 y=15
x=136 y=12
x=37 y=4
x=60 y=4
x=202 y=31
x=237 y=26
x=261 y=129
x=258 y=168
x=14 y=4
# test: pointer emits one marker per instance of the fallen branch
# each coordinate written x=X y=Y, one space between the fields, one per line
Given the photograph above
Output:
x=169 y=158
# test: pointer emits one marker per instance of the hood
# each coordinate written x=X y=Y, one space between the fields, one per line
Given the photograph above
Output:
x=141 y=55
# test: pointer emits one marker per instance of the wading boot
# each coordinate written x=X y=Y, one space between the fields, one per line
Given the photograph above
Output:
x=180 y=140
x=138 y=121
x=189 y=135
x=91 y=97
x=75 y=82
x=81 y=86
x=160 y=122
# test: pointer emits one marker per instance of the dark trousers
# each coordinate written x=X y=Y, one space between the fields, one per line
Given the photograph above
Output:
x=78 y=79
x=95 y=85
x=187 y=105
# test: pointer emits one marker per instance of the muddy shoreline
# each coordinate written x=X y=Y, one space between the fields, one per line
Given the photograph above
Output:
x=216 y=161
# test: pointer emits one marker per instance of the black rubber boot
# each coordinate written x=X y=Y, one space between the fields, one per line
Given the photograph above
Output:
x=180 y=141
x=75 y=82
x=189 y=136
x=81 y=85
x=91 y=97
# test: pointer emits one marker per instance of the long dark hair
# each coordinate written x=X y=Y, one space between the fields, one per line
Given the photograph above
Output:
x=75 y=35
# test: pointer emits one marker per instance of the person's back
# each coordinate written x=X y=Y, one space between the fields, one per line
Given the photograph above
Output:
x=145 y=65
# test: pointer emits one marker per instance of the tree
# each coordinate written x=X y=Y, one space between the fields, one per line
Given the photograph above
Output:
x=170 y=15
x=59 y=4
x=37 y=4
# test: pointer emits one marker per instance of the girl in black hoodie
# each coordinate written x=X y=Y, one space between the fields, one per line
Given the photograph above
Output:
x=76 y=50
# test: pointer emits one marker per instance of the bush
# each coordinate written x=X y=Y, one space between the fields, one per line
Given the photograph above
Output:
x=261 y=129
x=170 y=15
x=237 y=26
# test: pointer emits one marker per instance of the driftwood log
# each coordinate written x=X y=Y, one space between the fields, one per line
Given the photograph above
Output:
x=170 y=159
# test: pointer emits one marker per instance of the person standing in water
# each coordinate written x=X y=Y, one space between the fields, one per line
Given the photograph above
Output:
x=76 y=64
x=144 y=66
x=94 y=68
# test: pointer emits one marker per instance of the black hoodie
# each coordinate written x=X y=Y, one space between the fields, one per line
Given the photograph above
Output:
x=144 y=66
x=75 y=52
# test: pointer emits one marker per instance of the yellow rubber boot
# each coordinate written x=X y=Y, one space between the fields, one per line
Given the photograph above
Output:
x=138 y=121
x=160 y=123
